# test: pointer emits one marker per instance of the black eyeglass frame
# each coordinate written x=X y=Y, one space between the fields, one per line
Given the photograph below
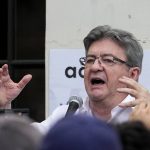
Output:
x=83 y=60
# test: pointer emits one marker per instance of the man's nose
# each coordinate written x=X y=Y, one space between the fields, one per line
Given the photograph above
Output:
x=97 y=65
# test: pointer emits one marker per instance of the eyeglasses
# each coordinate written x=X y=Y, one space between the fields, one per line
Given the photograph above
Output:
x=106 y=59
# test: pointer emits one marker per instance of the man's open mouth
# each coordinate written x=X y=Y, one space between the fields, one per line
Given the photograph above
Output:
x=96 y=81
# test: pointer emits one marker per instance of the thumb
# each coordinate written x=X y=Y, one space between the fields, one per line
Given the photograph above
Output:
x=128 y=104
x=24 y=81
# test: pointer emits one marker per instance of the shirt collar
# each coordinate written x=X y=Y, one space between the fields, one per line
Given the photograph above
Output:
x=118 y=113
x=117 y=109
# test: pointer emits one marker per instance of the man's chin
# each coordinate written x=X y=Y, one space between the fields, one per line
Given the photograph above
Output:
x=96 y=97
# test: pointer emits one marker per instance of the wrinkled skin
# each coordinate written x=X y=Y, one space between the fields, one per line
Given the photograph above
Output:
x=9 y=90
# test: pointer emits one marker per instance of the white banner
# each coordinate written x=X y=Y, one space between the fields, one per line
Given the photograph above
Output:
x=145 y=75
x=65 y=75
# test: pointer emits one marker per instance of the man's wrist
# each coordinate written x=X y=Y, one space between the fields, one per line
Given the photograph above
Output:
x=7 y=106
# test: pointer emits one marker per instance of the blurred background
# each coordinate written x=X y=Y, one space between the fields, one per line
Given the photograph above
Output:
x=31 y=28
x=22 y=47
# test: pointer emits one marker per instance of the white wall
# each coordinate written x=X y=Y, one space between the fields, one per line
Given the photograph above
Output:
x=69 y=21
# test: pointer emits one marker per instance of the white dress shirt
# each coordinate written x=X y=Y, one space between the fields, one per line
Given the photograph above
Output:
x=118 y=114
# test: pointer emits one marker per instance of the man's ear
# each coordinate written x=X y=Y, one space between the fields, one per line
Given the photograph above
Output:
x=134 y=73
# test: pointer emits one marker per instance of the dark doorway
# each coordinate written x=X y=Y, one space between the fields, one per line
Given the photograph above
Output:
x=22 y=47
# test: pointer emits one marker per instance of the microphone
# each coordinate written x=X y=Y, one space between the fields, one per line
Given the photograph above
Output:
x=74 y=103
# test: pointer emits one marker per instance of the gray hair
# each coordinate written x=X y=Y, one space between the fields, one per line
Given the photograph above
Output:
x=133 y=49
x=18 y=134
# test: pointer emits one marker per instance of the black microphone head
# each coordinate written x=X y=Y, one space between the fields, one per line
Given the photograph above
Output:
x=75 y=99
x=74 y=103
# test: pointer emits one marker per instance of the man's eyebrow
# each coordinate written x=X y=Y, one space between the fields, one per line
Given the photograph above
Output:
x=106 y=54
x=91 y=55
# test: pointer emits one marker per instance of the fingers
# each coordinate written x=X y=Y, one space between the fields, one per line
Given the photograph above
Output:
x=141 y=110
x=141 y=113
x=132 y=92
x=0 y=83
x=24 y=81
x=1 y=73
x=5 y=70
x=131 y=83
x=132 y=103
x=144 y=106
x=138 y=104
x=4 y=75
x=134 y=89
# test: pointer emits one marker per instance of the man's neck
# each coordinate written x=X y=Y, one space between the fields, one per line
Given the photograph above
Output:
x=102 y=108
x=100 y=111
